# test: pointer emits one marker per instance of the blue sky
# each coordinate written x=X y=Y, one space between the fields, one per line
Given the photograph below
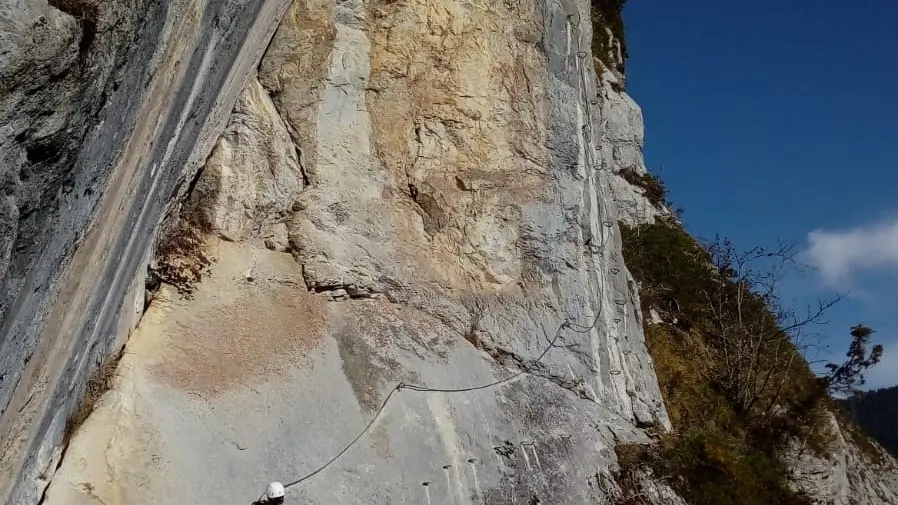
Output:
x=779 y=120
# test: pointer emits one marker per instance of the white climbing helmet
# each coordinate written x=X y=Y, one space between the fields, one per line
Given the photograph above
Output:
x=275 y=490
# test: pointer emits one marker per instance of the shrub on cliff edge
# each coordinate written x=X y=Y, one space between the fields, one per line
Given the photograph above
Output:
x=607 y=15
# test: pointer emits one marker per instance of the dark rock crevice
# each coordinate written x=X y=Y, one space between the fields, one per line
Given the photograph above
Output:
x=87 y=13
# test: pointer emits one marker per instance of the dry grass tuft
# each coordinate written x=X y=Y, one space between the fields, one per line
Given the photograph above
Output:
x=181 y=258
x=97 y=385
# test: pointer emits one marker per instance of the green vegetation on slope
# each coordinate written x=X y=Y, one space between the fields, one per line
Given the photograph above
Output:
x=729 y=364
x=734 y=384
x=728 y=356
x=655 y=192
x=608 y=14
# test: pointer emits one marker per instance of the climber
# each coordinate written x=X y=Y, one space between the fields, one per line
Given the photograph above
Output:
x=274 y=495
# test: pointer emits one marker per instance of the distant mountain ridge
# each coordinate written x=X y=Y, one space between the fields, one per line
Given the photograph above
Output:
x=875 y=412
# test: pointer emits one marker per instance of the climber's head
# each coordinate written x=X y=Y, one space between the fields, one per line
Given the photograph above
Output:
x=275 y=493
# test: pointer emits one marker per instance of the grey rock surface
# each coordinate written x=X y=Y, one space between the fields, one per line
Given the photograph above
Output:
x=425 y=193
x=105 y=108
x=252 y=381
x=56 y=101
x=621 y=151
x=847 y=475
x=655 y=491
x=453 y=230
x=251 y=179
x=467 y=188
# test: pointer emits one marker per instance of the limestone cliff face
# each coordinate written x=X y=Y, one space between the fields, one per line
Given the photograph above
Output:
x=424 y=193
x=621 y=147
x=847 y=475
x=408 y=191
x=106 y=108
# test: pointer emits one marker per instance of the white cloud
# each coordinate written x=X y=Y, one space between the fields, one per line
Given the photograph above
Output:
x=840 y=254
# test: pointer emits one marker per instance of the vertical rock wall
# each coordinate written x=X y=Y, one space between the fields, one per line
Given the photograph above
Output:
x=453 y=163
x=105 y=107
x=412 y=191
x=406 y=192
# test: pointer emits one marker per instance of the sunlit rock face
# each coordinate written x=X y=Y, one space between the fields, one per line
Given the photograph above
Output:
x=389 y=193
x=404 y=192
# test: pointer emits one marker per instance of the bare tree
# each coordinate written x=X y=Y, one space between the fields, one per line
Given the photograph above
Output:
x=753 y=342
x=758 y=339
